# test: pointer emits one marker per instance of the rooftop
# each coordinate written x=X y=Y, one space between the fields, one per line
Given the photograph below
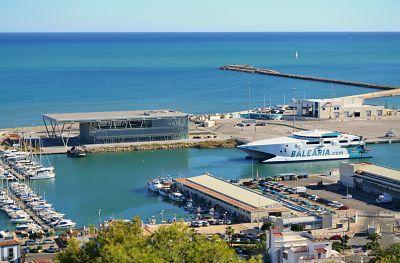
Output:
x=235 y=195
x=378 y=170
x=112 y=115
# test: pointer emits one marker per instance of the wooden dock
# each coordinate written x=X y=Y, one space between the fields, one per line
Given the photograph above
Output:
x=253 y=70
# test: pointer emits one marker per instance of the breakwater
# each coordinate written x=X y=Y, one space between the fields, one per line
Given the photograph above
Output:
x=229 y=143
x=253 y=70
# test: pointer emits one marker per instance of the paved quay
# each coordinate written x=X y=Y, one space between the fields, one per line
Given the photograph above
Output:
x=373 y=130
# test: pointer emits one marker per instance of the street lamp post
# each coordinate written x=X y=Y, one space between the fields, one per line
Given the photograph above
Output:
x=162 y=216
x=99 y=217
x=294 y=114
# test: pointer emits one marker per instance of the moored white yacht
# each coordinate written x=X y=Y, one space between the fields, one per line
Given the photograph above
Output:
x=310 y=145
x=43 y=173
x=65 y=223
x=154 y=185
x=164 y=191
x=177 y=197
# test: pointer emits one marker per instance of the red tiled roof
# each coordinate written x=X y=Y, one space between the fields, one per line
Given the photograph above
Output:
x=10 y=242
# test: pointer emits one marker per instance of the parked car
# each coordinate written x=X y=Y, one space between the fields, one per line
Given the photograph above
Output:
x=220 y=222
x=50 y=250
x=204 y=223
x=196 y=224
x=30 y=242
x=48 y=241
x=336 y=237
x=345 y=207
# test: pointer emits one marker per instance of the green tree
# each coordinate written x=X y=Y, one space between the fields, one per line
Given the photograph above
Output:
x=337 y=246
x=230 y=232
x=390 y=254
x=296 y=227
x=124 y=242
x=374 y=237
x=267 y=226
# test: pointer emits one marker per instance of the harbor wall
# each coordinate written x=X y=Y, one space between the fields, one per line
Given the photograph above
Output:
x=228 y=143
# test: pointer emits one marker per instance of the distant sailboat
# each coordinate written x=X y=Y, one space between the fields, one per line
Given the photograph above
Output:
x=297 y=55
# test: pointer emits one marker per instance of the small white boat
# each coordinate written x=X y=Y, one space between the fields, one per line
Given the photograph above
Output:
x=164 y=191
x=65 y=223
x=22 y=226
x=152 y=220
x=154 y=185
x=43 y=173
x=177 y=197
x=21 y=219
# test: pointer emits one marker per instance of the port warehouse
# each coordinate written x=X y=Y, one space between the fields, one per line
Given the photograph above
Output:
x=119 y=126
x=244 y=204
x=338 y=108
x=370 y=178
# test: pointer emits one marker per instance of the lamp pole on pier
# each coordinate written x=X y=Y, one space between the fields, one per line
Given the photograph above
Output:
x=99 y=217
x=294 y=106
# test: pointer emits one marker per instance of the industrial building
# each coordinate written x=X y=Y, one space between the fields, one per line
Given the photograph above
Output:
x=340 y=108
x=296 y=247
x=370 y=178
x=308 y=222
x=247 y=205
x=119 y=126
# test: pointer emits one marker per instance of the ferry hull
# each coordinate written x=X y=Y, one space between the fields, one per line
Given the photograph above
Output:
x=282 y=153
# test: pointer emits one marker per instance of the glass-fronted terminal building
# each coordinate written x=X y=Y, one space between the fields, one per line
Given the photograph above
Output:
x=120 y=126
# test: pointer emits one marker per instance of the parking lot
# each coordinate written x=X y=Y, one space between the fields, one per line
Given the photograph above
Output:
x=360 y=202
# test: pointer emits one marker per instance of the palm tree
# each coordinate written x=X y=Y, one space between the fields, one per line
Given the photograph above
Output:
x=374 y=237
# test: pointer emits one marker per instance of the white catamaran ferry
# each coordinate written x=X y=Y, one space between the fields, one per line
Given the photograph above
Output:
x=311 y=145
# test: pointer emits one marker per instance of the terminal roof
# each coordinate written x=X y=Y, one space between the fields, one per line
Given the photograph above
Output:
x=370 y=168
x=235 y=192
x=112 y=115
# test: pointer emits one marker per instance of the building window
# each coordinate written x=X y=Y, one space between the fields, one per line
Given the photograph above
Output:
x=11 y=253
x=347 y=114
x=357 y=114
x=323 y=108
x=336 y=108
x=368 y=113
x=379 y=112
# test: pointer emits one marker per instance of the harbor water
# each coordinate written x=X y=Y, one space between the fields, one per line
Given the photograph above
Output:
x=116 y=182
x=74 y=72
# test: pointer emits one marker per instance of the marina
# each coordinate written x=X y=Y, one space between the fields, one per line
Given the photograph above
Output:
x=28 y=210
x=82 y=182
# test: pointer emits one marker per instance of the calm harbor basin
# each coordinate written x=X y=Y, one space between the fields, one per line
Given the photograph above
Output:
x=116 y=182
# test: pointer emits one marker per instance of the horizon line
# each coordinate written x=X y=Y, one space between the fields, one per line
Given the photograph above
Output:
x=168 y=32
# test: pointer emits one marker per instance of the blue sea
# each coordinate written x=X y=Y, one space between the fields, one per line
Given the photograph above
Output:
x=73 y=72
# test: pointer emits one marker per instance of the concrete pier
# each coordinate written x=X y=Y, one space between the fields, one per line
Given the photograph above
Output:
x=253 y=70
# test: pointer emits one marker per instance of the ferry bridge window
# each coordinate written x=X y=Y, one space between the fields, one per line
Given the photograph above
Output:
x=327 y=142
x=316 y=142
x=343 y=141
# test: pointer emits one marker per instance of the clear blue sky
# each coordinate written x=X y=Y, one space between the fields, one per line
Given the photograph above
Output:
x=198 y=15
